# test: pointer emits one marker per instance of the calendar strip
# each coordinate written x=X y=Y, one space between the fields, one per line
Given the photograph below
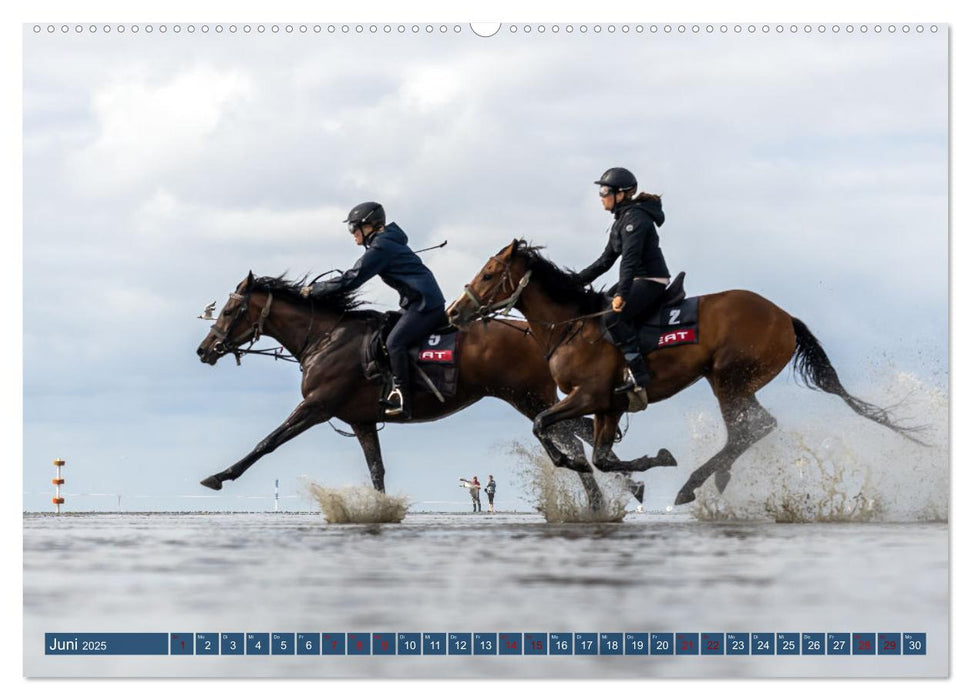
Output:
x=487 y=644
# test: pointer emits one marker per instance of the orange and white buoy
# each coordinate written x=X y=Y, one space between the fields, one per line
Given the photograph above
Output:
x=58 y=483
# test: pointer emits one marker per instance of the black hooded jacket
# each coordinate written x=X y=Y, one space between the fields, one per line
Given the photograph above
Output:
x=389 y=256
x=633 y=237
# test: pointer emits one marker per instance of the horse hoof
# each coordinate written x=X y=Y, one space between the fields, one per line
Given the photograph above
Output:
x=722 y=479
x=212 y=483
x=638 y=491
x=665 y=459
x=684 y=496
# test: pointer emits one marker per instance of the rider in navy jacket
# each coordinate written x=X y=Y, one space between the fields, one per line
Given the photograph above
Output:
x=420 y=297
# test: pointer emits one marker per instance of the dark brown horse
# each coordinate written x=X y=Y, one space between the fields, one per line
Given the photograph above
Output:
x=744 y=341
x=326 y=336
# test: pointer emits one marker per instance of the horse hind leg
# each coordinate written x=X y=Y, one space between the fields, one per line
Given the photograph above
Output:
x=747 y=422
x=606 y=461
x=759 y=423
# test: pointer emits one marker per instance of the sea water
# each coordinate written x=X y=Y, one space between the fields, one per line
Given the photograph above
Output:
x=508 y=572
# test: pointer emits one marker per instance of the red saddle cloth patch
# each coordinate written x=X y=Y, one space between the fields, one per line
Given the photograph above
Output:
x=685 y=335
x=439 y=349
x=435 y=356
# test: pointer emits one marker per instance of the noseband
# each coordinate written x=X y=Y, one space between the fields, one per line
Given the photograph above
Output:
x=224 y=344
x=490 y=307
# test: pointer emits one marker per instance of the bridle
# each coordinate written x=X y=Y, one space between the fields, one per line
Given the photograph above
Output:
x=490 y=307
x=227 y=343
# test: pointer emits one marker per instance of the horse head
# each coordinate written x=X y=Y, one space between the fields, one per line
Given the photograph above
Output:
x=233 y=327
x=496 y=287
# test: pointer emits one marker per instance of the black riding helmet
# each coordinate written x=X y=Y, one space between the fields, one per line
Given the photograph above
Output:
x=365 y=213
x=620 y=179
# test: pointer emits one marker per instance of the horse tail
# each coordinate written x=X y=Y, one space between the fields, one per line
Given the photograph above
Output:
x=813 y=366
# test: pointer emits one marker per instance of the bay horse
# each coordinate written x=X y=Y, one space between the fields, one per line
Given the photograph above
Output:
x=744 y=342
x=326 y=335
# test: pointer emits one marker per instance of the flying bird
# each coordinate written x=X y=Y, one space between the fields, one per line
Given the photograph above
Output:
x=207 y=312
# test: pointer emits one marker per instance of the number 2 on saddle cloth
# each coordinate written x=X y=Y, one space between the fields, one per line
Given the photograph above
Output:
x=675 y=322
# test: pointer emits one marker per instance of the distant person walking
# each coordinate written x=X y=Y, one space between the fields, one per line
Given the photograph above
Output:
x=490 y=490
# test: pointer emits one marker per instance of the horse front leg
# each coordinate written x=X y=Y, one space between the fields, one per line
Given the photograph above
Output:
x=574 y=405
x=605 y=428
x=305 y=415
x=367 y=436
x=565 y=436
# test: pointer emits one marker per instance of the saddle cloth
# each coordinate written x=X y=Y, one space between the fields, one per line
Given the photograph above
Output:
x=674 y=323
x=437 y=357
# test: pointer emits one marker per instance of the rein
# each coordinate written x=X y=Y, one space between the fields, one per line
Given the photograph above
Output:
x=489 y=310
x=252 y=334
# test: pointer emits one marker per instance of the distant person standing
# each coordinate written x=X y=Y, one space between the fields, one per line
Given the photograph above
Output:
x=474 y=487
x=490 y=490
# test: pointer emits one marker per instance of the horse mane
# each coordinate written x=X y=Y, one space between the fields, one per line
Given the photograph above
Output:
x=336 y=302
x=558 y=283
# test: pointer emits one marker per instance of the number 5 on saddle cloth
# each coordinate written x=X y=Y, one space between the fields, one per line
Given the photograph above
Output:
x=434 y=362
x=674 y=323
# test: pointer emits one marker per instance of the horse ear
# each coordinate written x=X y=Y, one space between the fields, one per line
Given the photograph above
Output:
x=249 y=279
x=514 y=246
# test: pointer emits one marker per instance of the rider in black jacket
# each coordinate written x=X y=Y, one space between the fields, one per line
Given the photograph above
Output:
x=643 y=272
x=421 y=299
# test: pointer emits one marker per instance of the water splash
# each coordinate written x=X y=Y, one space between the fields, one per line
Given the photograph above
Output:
x=821 y=468
x=558 y=494
x=357 y=504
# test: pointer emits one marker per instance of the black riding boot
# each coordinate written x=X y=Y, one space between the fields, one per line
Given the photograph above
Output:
x=638 y=376
x=398 y=402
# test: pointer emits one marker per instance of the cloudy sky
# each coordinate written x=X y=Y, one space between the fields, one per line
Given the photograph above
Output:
x=160 y=167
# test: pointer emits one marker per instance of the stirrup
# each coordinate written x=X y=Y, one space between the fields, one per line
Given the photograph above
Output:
x=393 y=408
x=630 y=383
x=636 y=394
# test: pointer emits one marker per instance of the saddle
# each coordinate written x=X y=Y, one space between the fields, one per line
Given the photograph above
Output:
x=434 y=362
x=674 y=322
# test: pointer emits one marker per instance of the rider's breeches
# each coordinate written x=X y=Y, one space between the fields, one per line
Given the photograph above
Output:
x=413 y=327
x=641 y=300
